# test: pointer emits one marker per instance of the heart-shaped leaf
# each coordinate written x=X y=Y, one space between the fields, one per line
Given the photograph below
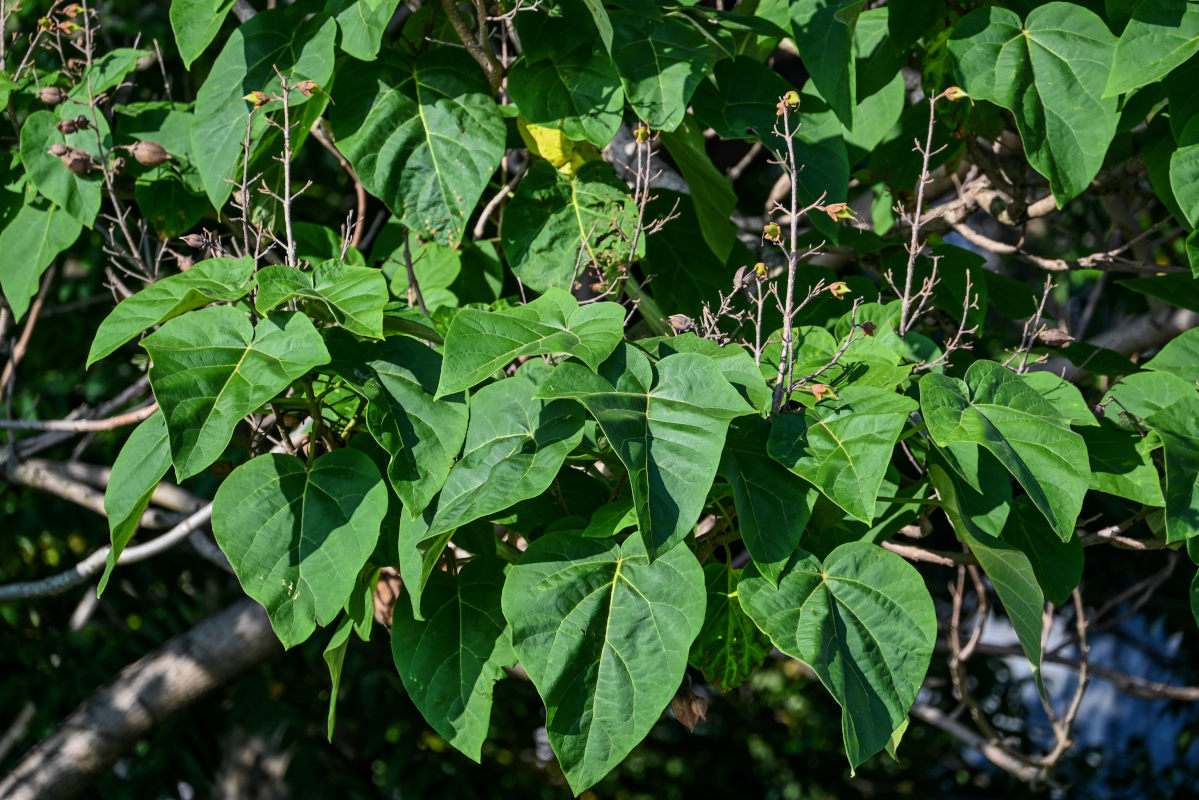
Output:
x=212 y=367
x=515 y=445
x=450 y=661
x=1160 y=36
x=352 y=296
x=578 y=91
x=424 y=136
x=604 y=635
x=843 y=446
x=1050 y=72
x=998 y=410
x=667 y=424
x=661 y=62
x=479 y=343
x=729 y=646
x=297 y=537
x=865 y=623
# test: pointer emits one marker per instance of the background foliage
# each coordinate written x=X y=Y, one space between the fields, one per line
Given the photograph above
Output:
x=550 y=365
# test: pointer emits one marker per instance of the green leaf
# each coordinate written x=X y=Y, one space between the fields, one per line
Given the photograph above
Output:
x=297 y=537
x=515 y=445
x=711 y=191
x=729 y=647
x=216 y=280
x=450 y=661
x=423 y=136
x=421 y=435
x=741 y=101
x=107 y=71
x=212 y=367
x=29 y=243
x=997 y=409
x=419 y=554
x=335 y=656
x=170 y=206
x=353 y=296
x=735 y=363
x=773 y=505
x=978 y=518
x=666 y=423
x=1050 y=73
x=1142 y=394
x=1160 y=36
x=578 y=92
x=1121 y=463
x=480 y=343
x=196 y=23
x=1184 y=175
x=1062 y=395
x=1179 y=357
x=300 y=49
x=824 y=35
x=863 y=621
x=661 y=62
x=141 y=464
x=78 y=195
x=604 y=635
x=1056 y=564
x=362 y=25
x=843 y=447
x=559 y=29
x=555 y=226
x=1192 y=246
x=1180 y=440
x=603 y=23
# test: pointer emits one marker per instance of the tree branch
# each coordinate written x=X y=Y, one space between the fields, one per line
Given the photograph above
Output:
x=143 y=696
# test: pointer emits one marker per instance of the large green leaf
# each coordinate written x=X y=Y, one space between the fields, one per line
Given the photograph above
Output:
x=843 y=447
x=667 y=424
x=352 y=296
x=196 y=23
x=604 y=635
x=661 y=62
x=300 y=49
x=1180 y=440
x=1184 y=177
x=78 y=195
x=729 y=647
x=1050 y=73
x=978 y=518
x=823 y=32
x=556 y=226
x=773 y=505
x=515 y=445
x=1121 y=463
x=362 y=25
x=711 y=191
x=578 y=92
x=212 y=367
x=335 y=657
x=995 y=408
x=297 y=537
x=216 y=280
x=734 y=361
x=1057 y=565
x=1160 y=36
x=423 y=136
x=863 y=621
x=479 y=343
x=419 y=553
x=741 y=101
x=29 y=243
x=1179 y=357
x=421 y=435
x=140 y=465
x=450 y=661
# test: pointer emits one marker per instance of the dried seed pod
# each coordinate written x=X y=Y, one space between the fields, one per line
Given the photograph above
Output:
x=82 y=123
x=689 y=708
x=118 y=165
x=1055 y=337
x=51 y=95
x=681 y=323
x=193 y=240
x=79 y=162
x=149 y=154
x=58 y=149
x=67 y=126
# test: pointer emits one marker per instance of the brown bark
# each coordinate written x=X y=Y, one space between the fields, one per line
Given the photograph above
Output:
x=143 y=696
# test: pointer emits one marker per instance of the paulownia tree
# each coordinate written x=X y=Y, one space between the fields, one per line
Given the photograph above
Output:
x=616 y=347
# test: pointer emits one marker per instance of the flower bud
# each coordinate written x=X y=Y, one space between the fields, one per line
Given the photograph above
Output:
x=791 y=98
x=259 y=99
x=772 y=233
x=641 y=134
x=954 y=94
x=838 y=211
x=761 y=270
x=306 y=88
x=821 y=391
x=838 y=289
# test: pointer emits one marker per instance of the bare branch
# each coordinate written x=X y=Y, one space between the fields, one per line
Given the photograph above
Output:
x=81 y=425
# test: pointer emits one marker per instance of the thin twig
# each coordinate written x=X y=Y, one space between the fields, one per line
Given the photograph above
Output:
x=81 y=425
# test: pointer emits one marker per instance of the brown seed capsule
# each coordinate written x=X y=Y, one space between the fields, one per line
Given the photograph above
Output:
x=81 y=123
x=118 y=165
x=51 y=95
x=79 y=162
x=681 y=323
x=193 y=240
x=58 y=149
x=149 y=154
x=689 y=708
x=1055 y=337
x=67 y=126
